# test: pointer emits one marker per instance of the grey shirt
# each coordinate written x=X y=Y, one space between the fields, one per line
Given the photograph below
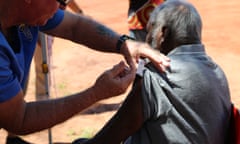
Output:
x=189 y=104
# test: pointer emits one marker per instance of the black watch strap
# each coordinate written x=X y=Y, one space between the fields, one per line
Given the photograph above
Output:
x=121 y=40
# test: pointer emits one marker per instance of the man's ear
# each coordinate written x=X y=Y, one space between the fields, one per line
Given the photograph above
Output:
x=167 y=44
x=165 y=32
x=162 y=35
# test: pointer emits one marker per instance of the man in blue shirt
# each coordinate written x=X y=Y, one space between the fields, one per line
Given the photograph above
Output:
x=188 y=104
x=20 y=22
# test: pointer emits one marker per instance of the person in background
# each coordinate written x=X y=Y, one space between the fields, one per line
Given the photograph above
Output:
x=138 y=14
x=187 y=104
x=19 y=30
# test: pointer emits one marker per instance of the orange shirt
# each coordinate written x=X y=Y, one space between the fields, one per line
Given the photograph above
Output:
x=139 y=19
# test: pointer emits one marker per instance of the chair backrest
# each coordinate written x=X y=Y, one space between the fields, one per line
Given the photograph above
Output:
x=234 y=130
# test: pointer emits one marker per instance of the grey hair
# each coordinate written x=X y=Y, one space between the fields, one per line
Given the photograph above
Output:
x=181 y=19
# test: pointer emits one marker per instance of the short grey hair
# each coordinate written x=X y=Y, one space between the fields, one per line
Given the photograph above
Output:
x=181 y=18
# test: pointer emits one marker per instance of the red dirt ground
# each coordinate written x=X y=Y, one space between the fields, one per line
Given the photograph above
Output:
x=76 y=68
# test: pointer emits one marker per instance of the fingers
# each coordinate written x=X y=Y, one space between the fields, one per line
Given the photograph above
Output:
x=123 y=74
x=160 y=61
x=134 y=50
x=130 y=59
x=114 y=81
x=118 y=69
x=127 y=79
x=131 y=62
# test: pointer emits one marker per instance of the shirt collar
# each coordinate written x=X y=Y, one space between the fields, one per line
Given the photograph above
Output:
x=188 y=49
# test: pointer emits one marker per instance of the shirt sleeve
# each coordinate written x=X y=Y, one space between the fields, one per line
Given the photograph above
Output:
x=54 y=21
x=9 y=83
x=155 y=98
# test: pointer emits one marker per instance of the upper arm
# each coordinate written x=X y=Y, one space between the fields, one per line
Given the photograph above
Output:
x=11 y=95
x=12 y=112
x=70 y=25
x=127 y=120
x=132 y=108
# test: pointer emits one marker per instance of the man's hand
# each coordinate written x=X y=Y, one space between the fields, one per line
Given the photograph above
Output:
x=133 y=50
x=114 y=82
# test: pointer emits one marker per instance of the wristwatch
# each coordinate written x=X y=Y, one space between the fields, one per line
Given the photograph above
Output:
x=121 y=40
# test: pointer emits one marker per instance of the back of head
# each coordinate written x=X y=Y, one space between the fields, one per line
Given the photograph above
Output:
x=182 y=21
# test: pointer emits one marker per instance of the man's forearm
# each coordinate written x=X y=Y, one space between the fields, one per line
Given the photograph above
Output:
x=44 y=114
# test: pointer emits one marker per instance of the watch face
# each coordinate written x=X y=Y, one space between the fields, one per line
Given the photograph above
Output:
x=125 y=37
x=122 y=39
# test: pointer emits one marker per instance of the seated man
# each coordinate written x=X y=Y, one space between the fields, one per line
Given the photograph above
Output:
x=188 y=104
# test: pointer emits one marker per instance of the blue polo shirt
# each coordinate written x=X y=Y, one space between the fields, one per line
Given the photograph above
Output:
x=14 y=66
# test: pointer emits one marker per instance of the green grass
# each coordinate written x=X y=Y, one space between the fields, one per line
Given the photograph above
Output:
x=62 y=88
x=85 y=133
